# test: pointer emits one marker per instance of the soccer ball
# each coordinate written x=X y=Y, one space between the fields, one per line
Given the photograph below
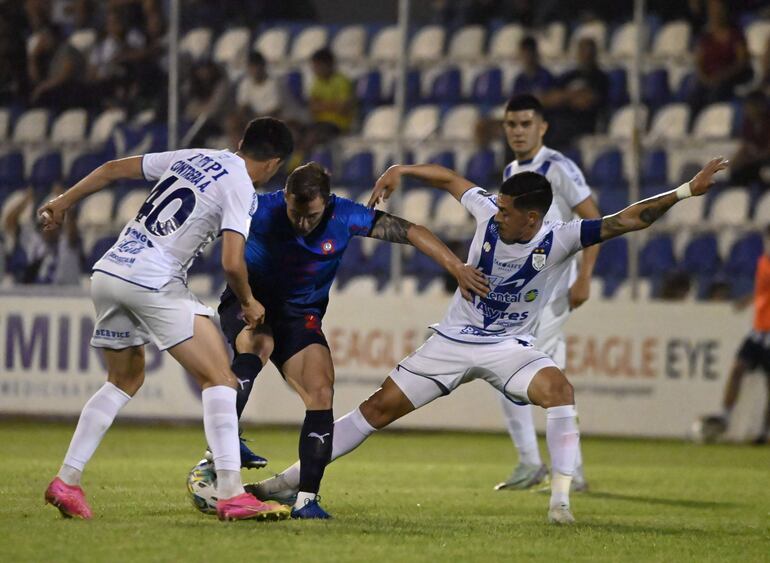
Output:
x=708 y=429
x=202 y=487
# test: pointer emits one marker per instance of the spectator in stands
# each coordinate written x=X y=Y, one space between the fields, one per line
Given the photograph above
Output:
x=753 y=154
x=332 y=101
x=209 y=101
x=43 y=257
x=56 y=70
x=534 y=78
x=576 y=103
x=721 y=59
x=675 y=286
x=258 y=93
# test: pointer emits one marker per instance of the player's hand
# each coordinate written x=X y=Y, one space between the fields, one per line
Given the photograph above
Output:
x=51 y=213
x=253 y=313
x=385 y=185
x=471 y=281
x=704 y=179
x=579 y=292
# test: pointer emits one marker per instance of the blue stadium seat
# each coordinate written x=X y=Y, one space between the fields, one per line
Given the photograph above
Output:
x=612 y=264
x=575 y=156
x=443 y=158
x=422 y=267
x=358 y=170
x=655 y=89
x=654 y=167
x=613 y=200
x=607 y=169
x=369 y=89
x=618 y=88
x=323 y=156
x=46 y=171
x=701 y=257
x=11 y=171
x=97 y=251
x=657 y=257
x=481 y=168
x=445 y=88
x=744 y=253
x=294 y=84
x=685 y=88
x=84 y=165
x=488 y=87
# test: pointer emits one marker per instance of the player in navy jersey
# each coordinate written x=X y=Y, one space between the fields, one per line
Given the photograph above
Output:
x=297 y=238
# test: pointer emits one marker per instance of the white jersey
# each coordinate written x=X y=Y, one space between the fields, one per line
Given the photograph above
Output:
x=569 y=189
x=522 y=276
x=200 y=193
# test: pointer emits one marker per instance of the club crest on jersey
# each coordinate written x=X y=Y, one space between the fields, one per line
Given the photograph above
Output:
x=538 y=259
x=487 y=247
x=327 y=247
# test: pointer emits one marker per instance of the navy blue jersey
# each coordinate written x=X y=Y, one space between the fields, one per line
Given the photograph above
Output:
x=290 y=269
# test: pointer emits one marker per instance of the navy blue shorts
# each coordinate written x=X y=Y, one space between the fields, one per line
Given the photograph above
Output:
x=755 y=351
x=293 y=329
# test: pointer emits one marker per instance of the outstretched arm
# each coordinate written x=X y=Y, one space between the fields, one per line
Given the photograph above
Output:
x=52 y=212
x=642 y=214
x=395 y=229
x=432 y=174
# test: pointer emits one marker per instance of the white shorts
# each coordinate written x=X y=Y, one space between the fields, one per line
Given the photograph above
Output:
x=441 y=365
x=131 y=315
x=549 y=336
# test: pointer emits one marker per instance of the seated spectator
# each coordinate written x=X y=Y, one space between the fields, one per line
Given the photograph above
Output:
x=56 y=70
x=258 y=93
x=332 y=101
x=209 y=101
x=753 y=153
x=43 y=257
x=575 y=105
x=534 y=78
x=721 y=59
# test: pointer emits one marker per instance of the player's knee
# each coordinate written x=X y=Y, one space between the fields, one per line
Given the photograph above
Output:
x=377 y=411
x=320 y=396
x=550 y=388
x=261 y=345
x=129 y=383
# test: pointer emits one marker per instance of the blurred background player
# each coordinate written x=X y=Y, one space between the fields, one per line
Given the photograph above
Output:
x=296 y=242
x=140 y=294
x=525 y=127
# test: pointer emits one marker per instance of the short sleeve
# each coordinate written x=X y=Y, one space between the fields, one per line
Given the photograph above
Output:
x=240 y=203
x=480 y=203
x=154 y=164
x=572 y=184
x=569 y=238
x=358 y=217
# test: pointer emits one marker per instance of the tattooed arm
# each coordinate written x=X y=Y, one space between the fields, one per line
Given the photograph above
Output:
x=395 y=229
x=432 y=174
x=644 y=213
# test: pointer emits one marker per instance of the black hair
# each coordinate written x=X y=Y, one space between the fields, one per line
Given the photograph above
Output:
x=256 y=58
x=524 y=102
x=309 y=181
x=266 y=138
x=530 y=192
x=528 y=43
x=323 y=55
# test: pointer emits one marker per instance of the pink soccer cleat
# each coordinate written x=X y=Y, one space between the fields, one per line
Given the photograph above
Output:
x=246 y=507
x=69 y=499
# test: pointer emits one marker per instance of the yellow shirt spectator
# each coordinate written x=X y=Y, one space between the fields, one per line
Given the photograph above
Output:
x=332 y=99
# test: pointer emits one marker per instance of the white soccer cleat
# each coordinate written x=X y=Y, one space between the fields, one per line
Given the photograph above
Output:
x=275 y=488
x=524 y=477
x=560 y=514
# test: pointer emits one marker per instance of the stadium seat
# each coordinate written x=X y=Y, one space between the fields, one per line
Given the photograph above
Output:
x=621 y=126
x=380 y=124
x=714 y=122
x=687 y=214
x=369 y=89
x=129 y=206
x=655 y=89
x=360 y=286
x=504 y=44
x=607 y=169
x=623 y=42
x=349 y=44
x=83 y=40
x=594 y=29
x=672 y=41
x=741 y=261
x=31 y=127
x=612 y=263
x=701 y=256
x=488 y=87
x=761 y=218
x=46 y=170
x=657 y=257
x=730 y=208
x=231 y=49
x=551 y=39
x=459 y=123
x=427 y=45
x=11 y=171
x=670 y=123
x=385 y=45
x=5 y=124
x=625 y=290
x=84 y=165
x=654 y=167
x=273 y=44
x=95 y=212
x=324 y=157
x=467 y=44
x=481 y=168
x=295 y=84
x=757 y=35
x=445 y=88
x=196 y=43
x=618 y=87
x=613 y=197
x=96 y=251
x=105 y=124
x=443 y=158
x=12 y=200
x=451 y=218
x=416 y=205
x=70 y=127
x=421 y=123
x=307 y=42
x=685 y=88
x=358 y=170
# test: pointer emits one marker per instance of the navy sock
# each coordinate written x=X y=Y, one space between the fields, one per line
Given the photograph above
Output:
x=246 y=367
x=315 y=449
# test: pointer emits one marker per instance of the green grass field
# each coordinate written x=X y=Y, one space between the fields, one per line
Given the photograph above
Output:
x=400 y=497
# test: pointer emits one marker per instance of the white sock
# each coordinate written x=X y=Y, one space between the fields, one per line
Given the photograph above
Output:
x=521 y=427
x=349 y=432
x=95 y=419
x=220 y=424
x=304 y=498
x=563 y=440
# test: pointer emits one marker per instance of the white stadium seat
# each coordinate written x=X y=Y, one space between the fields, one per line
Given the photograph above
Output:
x=385 y=45
x=105 y=124
x=757 y=35
x=550 y=41
x=31 y=127
x=624 y=292
x=670 y=123
x=128 y=206
x=380 y=124
x=451 y=217
x=672 y=40
x=70 y=127
x=596 y=30
x=762 y=211
x=307 y=42
x=196 y=43
x=467 y=44
x=504 y=44
x=360 y=286
x=349 y=44
x=459 y=123
x=427 y=45
x=96 y=210
x=5 y=124
x=688 y=214
x=621 y=126
x=623 y=42
x=730 y=208
x=232 y=48
x=272 y=44
x=714 y=122
x=416 y=205
x=83 y=40
x=421 y=122
x=12 y=201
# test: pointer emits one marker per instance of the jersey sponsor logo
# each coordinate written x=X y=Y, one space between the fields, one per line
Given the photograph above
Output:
x=531 y=295
x=120 y=260
x=327 y=246
x=111 y=334
x=130 y=247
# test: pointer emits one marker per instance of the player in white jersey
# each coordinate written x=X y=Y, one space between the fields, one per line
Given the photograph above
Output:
x=525 y=128
x=140 y=295
x=490 y=338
